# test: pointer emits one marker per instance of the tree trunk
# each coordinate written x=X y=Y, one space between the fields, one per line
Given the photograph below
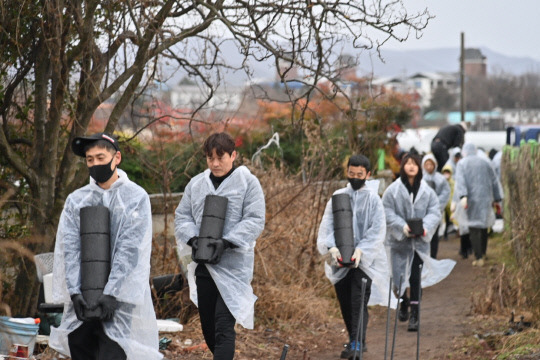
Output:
x=42 y=217
x=24 y=302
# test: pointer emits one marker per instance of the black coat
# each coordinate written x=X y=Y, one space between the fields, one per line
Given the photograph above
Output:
x=451 y=135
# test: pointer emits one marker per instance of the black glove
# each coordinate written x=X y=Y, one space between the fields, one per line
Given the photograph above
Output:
x=194 y=243
x=219 y=247
x=79 y=304
x=229 y=245
x=108 y=306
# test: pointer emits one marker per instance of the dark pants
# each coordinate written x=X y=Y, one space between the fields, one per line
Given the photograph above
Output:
x=465 y=246
x=414 y=279
x=89 y=342
x=440 y=151
x=479 y=240
x=217 y=322
x=434 y=244
x=349 y=294
x=447 y=224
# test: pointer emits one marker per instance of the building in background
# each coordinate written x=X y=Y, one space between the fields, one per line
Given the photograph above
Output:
x=475 y=63
x=423 y=84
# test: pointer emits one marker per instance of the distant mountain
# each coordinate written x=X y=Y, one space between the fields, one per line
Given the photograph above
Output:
x=515 y=65
x=397 y=63
x=406 y=63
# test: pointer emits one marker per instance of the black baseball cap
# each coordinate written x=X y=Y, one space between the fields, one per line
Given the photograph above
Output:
x=79 y=143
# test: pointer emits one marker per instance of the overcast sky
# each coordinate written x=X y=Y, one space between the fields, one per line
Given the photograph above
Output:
x=510 y=27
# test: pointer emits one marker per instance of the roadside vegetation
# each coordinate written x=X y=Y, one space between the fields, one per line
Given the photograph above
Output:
x=506 y=311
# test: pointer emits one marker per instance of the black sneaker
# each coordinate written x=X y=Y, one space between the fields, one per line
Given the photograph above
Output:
x=346 y=351
x=413 y=323
x=403 y=313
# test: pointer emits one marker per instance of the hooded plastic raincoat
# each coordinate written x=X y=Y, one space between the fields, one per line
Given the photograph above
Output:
x=451 y=161
x=134 y=325
x=369 y=228
x=476 y=179
x=496 y=163
x=437 y=182
x=398 y=207
x=243 y=224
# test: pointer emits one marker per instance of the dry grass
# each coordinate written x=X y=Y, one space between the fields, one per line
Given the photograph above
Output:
x=521 y=346
x=521 y=181
x=289 y=272
x=504 y=290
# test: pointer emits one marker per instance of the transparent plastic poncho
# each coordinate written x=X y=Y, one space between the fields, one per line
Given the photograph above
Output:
x=398 y=207
x=476 y=179
x=440 y=184
x=134 y=325
x=369 y=228
x=451 y=160
x=244 y=223
x=496 y=164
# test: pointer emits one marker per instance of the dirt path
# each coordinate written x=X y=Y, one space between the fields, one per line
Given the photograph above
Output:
x=443 y=317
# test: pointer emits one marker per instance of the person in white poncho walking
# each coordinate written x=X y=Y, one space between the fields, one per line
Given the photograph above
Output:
x=478 y=190
x=407 y=198
x=221 y=288
x=369 y=257
x=127 y=328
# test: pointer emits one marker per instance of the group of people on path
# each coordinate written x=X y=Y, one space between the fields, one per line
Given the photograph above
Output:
x=475 y=188
x=385 y=246
x=424 y=189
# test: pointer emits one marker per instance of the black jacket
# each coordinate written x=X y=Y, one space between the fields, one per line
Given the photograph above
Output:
x=451 y=135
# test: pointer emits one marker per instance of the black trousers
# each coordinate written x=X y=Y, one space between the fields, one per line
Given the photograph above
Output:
x=440 y=151
x=465 y=245
x=349 y=293
x=447 y=224
x=217 y=322
x=479 y=240
x=434 y=244
x=89 y=342
x=414 y=279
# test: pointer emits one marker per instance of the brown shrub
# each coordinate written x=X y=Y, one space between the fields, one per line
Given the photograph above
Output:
x=503 y=291
x=289 y=273
x=521 y=181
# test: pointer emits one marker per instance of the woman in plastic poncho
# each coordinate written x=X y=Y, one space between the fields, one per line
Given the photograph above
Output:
x=406 y=198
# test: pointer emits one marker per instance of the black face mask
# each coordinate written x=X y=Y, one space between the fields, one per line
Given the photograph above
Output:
x=102 y=173
x=356 y=183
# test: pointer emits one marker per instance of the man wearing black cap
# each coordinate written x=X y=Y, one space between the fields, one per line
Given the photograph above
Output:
x=96 y=150
x=127 y=328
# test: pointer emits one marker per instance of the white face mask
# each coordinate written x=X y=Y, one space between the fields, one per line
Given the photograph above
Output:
x=446 y=175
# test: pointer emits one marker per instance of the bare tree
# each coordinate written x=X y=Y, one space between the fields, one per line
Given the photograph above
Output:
x=61 y=59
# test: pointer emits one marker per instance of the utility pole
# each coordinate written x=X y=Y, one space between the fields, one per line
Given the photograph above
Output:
x=462 y=77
